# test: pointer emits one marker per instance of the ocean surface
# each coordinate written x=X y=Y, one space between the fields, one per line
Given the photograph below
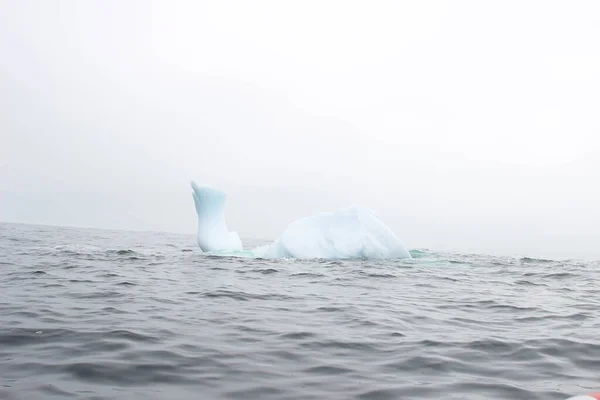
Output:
x=97 y=314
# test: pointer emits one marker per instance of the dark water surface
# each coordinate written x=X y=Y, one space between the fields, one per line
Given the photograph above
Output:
x=98 y=314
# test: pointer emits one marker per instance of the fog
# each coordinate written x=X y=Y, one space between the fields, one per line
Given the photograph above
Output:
x=467 y=126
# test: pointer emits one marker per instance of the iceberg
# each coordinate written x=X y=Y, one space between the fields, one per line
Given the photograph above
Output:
x=352 y=232
x=213 y=234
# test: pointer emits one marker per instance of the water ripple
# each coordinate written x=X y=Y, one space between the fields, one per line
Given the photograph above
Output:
x=109 y=315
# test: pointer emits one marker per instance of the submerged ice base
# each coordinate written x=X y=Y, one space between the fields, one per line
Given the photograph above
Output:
x=352 y=232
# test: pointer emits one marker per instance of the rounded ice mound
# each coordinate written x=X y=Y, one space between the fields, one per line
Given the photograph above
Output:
x=213 y=234
x=352 y=232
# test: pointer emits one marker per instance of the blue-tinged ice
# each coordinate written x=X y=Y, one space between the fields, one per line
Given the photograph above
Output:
x=213 y=234
x=352 y=232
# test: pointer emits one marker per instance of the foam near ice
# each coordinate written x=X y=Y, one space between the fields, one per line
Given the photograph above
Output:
x=352 y=232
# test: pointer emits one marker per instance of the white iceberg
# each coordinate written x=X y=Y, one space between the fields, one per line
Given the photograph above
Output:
x=213 y=234
x=352 y=232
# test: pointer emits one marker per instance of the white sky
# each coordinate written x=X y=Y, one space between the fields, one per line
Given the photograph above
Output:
x=467 y=125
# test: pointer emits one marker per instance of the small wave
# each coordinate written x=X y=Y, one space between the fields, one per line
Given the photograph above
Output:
x=377 y=275
x=113 y=310
x=529 y=283
x=426 y=363
x=125 y=252
x=341 y=344
x=81 y=281
x=54 y=285
x=494 y=305
x=53 y=390
x=26 y=314
x=107 y=294
x=331 y=309
x=125 y=372
x=26 y=336
x=109 y=275
x=561 y=275
x=576 y=317
x=324 y=370
x=297 y=335
x=308 y=275
x=264 y=271
x=243 y=296
x=257 y=392
x=75 y=250
x=527 y=260
x=130 y=335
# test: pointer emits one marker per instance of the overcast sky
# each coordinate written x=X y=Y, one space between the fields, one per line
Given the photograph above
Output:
x=467 y=125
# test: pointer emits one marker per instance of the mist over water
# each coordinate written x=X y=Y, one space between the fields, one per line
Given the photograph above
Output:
x=119 y=315
x=468 y=126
